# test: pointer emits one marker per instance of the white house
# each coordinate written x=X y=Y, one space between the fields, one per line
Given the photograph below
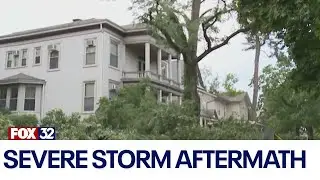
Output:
x=238 y=107
x=70 y=66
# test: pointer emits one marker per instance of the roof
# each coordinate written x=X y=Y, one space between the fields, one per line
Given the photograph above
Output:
x=132 y=27
x=21 y=79
x=77 y=25
x=237 y=98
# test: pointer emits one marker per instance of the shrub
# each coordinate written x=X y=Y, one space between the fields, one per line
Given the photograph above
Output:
x=23 y=120
x=136 y=114
x=4 y=124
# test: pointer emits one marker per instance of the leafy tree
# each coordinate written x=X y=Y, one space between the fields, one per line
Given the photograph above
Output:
x=286 y=108
x=177 y=23
x=295 y=24
x=228 y=84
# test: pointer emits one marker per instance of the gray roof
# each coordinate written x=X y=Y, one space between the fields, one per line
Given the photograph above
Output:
x=78 y=23
x=236 y=98
x=21 y=79
x=138 y=26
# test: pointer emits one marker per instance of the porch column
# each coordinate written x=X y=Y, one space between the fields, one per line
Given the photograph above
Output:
x=178 y=70
x=170 y=97
x=169 y=68
x=147 y=58
x=8 y=97
x=201 y=122
x=180 y=100
x=159 y=57
x=160 y=96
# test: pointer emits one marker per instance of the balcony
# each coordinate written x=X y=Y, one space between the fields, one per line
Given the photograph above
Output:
x=154 y=77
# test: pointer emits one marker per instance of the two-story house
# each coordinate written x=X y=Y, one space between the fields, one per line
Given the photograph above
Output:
x=71 y=66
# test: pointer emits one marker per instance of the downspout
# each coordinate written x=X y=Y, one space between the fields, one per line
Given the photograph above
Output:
x=42 y=101
x=102 y=60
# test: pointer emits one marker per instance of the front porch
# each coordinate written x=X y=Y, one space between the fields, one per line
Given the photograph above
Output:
x=161 y=66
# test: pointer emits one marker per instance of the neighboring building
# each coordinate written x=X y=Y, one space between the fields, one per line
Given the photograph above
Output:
x=71 y=66
x=237 y=107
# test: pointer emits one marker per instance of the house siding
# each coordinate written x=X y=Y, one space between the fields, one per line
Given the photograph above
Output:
x=66 y=84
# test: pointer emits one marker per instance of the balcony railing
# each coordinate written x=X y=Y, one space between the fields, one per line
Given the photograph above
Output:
x=151 y=75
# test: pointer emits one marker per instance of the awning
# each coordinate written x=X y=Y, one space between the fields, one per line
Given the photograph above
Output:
x=21 y=79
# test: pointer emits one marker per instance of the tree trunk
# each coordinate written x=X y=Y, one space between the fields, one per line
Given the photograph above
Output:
x=256 y=77
x=310 y=132
x=191 y=85
x=297 y=131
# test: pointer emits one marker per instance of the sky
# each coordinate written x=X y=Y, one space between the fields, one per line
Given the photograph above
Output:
x=30 y=14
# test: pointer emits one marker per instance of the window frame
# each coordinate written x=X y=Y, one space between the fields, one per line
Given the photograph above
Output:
x=49 y=56
x=16 y=98
x=95 y=52
x=5 y=88
x=16 y=63
x=7 y=59
x=117 y=43
x=84 y=96
x=28 y=98
x=26 y=57
x=35 y=55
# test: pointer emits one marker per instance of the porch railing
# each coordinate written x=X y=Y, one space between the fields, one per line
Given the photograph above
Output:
x=151 y=75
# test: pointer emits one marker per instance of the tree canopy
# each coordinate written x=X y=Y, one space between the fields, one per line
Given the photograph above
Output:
x=181 y=24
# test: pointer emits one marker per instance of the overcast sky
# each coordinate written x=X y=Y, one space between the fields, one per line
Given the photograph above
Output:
x=29 y=14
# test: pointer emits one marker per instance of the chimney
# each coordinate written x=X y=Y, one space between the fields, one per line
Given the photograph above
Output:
x=76 y=20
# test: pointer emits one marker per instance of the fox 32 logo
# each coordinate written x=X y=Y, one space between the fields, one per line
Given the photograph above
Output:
x=31 y=133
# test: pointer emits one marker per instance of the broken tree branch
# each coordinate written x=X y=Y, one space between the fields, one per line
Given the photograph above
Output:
x=225 y=42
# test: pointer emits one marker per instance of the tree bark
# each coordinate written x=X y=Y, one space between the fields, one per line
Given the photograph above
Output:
x=310 y=133
x=191 y=85
x=191 y=61
x=256 y=77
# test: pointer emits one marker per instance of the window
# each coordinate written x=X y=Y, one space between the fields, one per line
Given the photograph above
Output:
x=37 y=55
x=53 y=57
x=164 y=69
x=3 y=97
x=30 y=98
x=114 y=54
x=113 y=89
x=24 y=57
x=13 y=99
x=16 y=56
x=9 y=59
x=90 y=52
x=89 y=96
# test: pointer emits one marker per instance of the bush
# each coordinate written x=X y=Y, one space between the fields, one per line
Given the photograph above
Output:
x=23 y=120
x=135 y=115
x=4 y=124
x=136 y=111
